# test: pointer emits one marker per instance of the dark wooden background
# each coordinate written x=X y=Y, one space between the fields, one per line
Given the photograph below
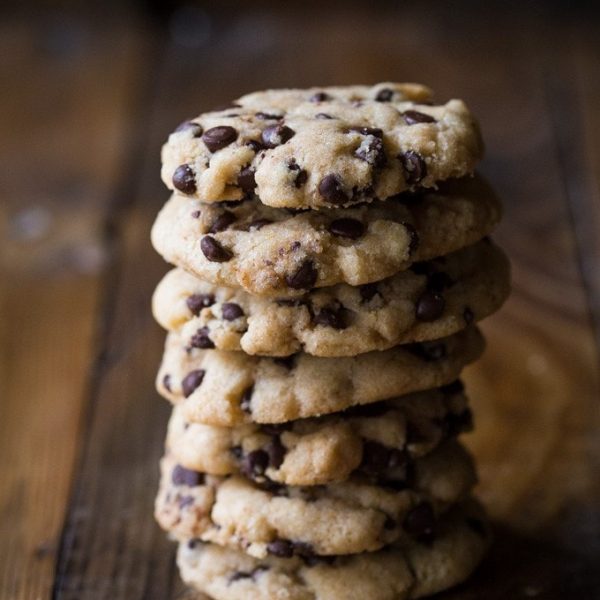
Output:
x=88 y=93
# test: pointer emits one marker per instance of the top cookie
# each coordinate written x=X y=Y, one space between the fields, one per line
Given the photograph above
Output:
x=322 y=147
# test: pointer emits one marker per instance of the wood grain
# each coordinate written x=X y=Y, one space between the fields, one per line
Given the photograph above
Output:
x=63 y=112
x=535 y=393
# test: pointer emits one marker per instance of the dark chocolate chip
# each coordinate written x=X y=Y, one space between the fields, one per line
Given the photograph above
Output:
x=276 y=135
x=330 y=187
x=415 y=167
x=323 y=116
x=368 y=291
x=268 y=117
x=372 y=152
x=222 y=222
x=349 y=228
x=195 y=128
x=167 y=382
x=281 y=548
x=412 y=117
x=468 y=315
x=413 y=244
x=201 y=339
x=216 y=138
x=301 y=174
x=420 y=522
x=430 y=306
x=254 y=464
x=384 y=95
x=237 y=452
x=183 y=476
x=258 y=224
x=231 y=311
x=246 y=179
x=196 y=214
x=196 y=302
x=375 y=131
x=336 y=317
x=184 y=179
x=255 y=145
x=246 y=399
x=304 y=277
x=193 y=543
x=213 y=250
x=192 y=381
x=276 y=451
x=319 y=97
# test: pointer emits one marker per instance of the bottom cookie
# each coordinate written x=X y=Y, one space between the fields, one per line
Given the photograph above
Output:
x=399 y=572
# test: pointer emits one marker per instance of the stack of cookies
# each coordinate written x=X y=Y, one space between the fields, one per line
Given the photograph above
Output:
x=332 y=262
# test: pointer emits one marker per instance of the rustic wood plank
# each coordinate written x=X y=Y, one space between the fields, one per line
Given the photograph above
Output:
x=534 y=392
x=63 y=106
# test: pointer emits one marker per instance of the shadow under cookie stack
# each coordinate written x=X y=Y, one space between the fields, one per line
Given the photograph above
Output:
x=332 y=261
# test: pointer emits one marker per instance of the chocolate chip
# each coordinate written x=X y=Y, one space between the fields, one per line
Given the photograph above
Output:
x=193 y=543
x=304 y=550
x=246 y=180
x=201 y=339
x=237 y=452
x=430 y=306
x=375 y=131
x=276 y=135
x=332 y=316
x=222 y=222
x=195 y=128
x=468 y=315
x=196 y=302
x=186 y=501
x=412 y=117
x=301 y=174
x=216 y=138
x=323 y=116
x=258 y=224
x=368 y=291
x=377 y=457
x=415 y=168
x=372 y=152
x=248 y=575
x=184 y=179
x=349 y=228
x=254 y=464
x=330 y=187
x=192 y=381
x=319 y=97
x=231 y=311
x=276 y=451
x=167 y=382
x=255 y=145
x=196 y=214
x=456 y=387
x=268 y=117
x=413 y=244
x=246 y=399
x=183 y=476
x=213 y=250
x=420 y=522
x=304 y=277
x=384 y=95
x=428 y=351
x=281 y=548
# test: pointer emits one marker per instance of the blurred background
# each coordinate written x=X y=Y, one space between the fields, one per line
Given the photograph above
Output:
x=88 y=93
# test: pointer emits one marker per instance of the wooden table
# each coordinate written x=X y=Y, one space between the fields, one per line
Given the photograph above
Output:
x=86 y=102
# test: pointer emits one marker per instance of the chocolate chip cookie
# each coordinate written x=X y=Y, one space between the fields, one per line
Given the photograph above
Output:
x=281 y=253
x=322 y=147
x=232 y=388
